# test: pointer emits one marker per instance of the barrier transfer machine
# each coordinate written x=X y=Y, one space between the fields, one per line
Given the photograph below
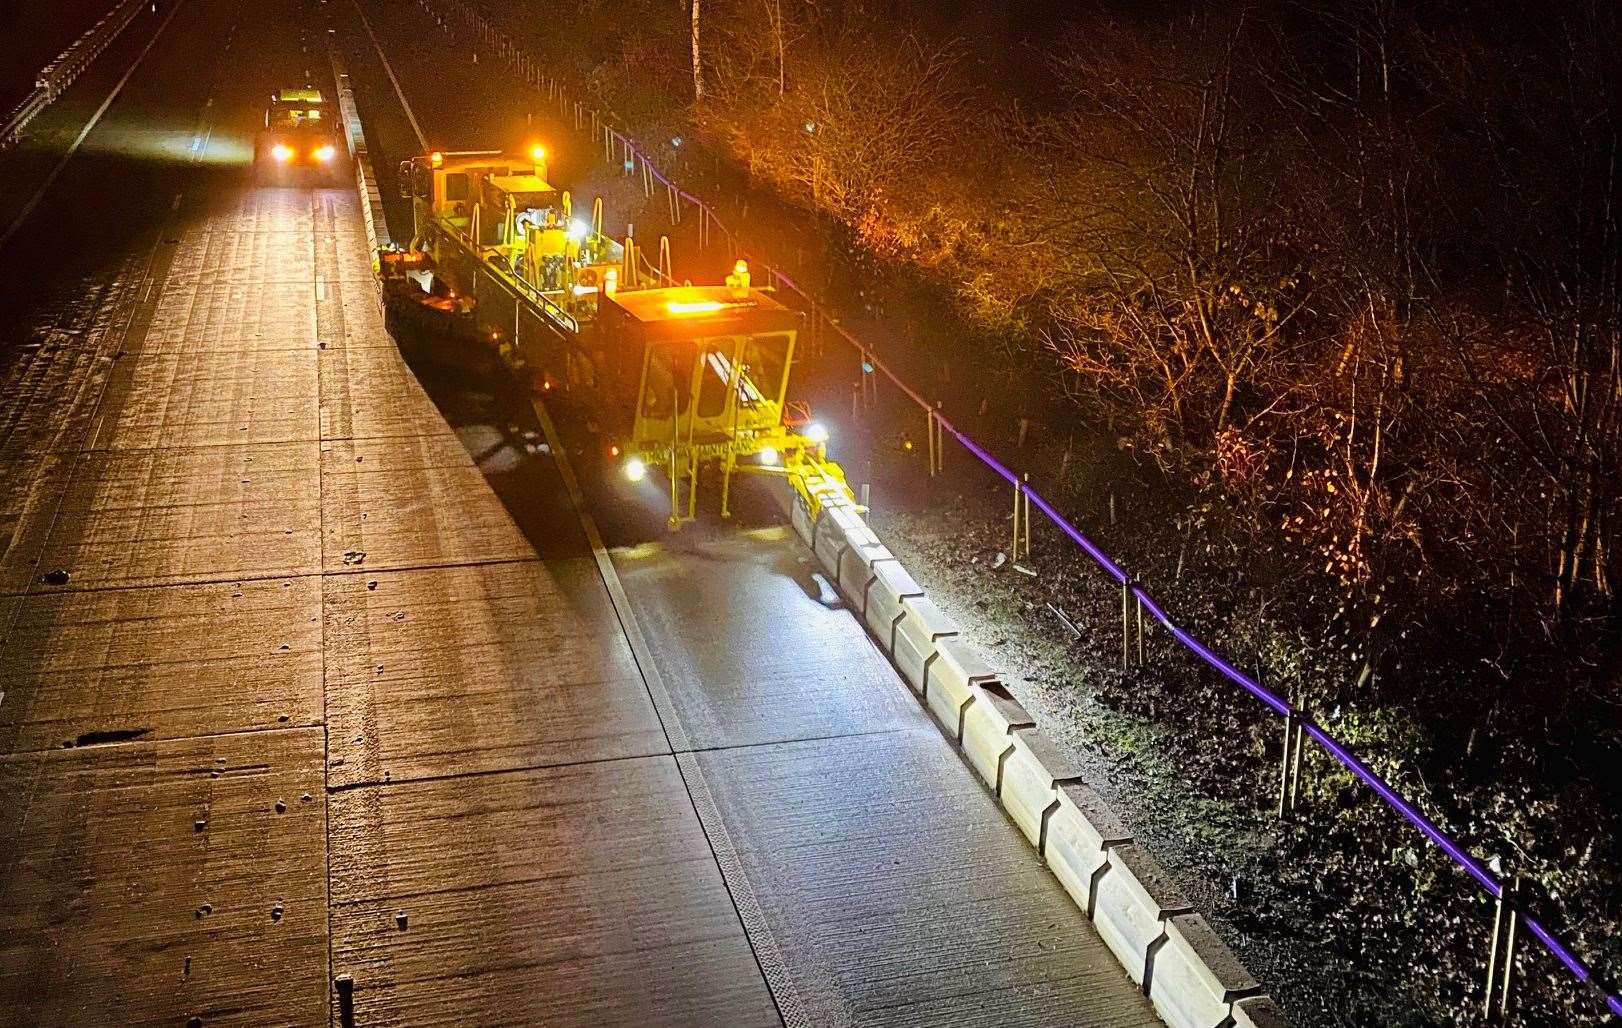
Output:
x=678 y=378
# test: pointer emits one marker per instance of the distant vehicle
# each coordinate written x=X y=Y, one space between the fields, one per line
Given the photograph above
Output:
x=300 y=137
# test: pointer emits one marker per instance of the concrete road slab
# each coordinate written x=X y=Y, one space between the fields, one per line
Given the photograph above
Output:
x=404 y=516
x=213 y=399
x=580 y=895
x=161 y=663
x=115 y=905
x=477 y=669
x=196 y=316
x=369 y=391
x=748 y=656
x=898 y=893
x=188 y=514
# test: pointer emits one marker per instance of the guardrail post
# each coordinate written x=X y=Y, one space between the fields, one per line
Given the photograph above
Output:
x=1501 y=957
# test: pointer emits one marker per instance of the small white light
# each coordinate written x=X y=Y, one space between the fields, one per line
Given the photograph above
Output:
x=577 y=230
x=282 y=152
x=817 y=432
x=768 y=456
x=635 y=470
x=325 y=153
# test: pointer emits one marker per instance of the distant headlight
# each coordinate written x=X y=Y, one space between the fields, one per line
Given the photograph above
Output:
x=325 y=153
x=282 y=152
x=635 y=470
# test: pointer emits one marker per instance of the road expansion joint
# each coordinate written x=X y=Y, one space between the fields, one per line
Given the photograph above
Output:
x=795 y=741
x=495 y=772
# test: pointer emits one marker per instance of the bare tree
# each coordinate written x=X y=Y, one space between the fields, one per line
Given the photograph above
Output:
x=698 y=62
x=1180 y=284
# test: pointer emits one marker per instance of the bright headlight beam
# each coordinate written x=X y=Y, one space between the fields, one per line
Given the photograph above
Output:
x=817 y=432
x=325 y=153
x=635 y=470
x=282 y=152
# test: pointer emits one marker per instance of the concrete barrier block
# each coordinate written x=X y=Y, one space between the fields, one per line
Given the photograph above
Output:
x=1097 y=824
x=1132 y=900
x=1194 y=979
x=948 y=681
x=960 y=662
x=830 y=541
x=882 y=606
x=1080 y=832
x=1031 y=777
x=856 y=573
x=847 y=518
x=916 y=636
x=1258 y=1012
x=988 y=729
x=800 y=517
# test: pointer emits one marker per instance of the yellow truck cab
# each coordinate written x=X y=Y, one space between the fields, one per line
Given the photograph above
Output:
x=710 y=369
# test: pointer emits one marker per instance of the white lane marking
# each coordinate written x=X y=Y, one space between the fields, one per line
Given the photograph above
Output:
x=174 y=205
x=95 y=118
x=422 y=140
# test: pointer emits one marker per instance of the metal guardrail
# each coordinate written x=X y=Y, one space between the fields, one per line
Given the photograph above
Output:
x=55 y=78
x=619 y=147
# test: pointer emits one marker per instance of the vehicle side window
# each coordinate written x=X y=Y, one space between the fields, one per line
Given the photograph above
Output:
x=716 y=376
x=456 y=186
x=666 y=380
x=765 y=359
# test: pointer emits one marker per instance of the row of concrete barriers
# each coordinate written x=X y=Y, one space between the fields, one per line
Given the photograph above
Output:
x=54 y=79
x=1190 y=975
x=371 y=196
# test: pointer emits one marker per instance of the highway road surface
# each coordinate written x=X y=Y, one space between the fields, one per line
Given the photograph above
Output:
x=319 y=702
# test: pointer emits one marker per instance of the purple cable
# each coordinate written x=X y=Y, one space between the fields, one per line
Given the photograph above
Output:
x=1359 y=769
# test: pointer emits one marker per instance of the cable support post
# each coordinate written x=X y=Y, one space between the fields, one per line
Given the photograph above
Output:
x=1018 y=504
x=940 y=440
x=1289 y=782
x=929 y=427
x=1025 y=512
x=1139 y=605
x=1126 y=611
x=1506 y=920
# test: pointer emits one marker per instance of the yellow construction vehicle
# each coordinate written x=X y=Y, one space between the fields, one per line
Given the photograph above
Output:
x=678 y=378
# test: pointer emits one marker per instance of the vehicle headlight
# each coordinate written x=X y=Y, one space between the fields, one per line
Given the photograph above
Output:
x=635 y=470
x=817 y=432
x=325 y=153
x=768 y=456
x=282 y=152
